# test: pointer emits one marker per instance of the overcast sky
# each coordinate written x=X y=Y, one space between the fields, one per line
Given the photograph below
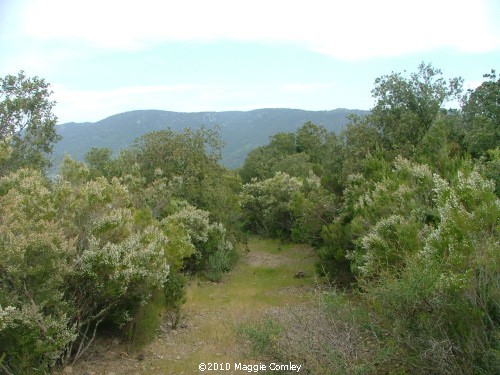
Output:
x=104 y=57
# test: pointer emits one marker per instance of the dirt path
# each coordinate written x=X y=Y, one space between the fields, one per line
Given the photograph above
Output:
x=264 y=278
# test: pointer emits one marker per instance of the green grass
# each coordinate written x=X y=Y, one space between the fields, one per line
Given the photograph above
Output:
x=239 y=300
x=214 y=313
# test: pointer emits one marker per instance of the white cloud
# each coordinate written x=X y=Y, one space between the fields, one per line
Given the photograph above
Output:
x=305 y=87
x=349 y=30
x=94 y=105
x=38 y=61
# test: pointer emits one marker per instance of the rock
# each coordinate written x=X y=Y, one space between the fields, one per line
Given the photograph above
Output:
x=299 y=275
x=68 y=370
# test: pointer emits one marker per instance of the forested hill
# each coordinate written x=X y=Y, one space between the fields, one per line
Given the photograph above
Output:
x=241 y=131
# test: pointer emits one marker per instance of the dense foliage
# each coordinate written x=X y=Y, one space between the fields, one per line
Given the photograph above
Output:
x=104 y=243
x=74 y=254
x=27 y=125
x=402 y=208
x=408 y=216
x=482 y=116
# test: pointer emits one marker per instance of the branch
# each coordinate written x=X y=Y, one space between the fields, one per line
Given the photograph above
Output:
x=37 y=321
x=81 y=349
x=6 y=370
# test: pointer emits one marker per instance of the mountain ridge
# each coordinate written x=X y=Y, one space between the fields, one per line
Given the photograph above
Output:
x=241 y=131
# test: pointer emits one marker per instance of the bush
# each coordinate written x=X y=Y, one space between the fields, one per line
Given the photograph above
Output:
x=443 y=305
x=175 y=296
x=143 y=328
x=212 y=248
x=332 y=261
x=266 y=204
x=219 y=263
x=35 y=317
x=74 y=254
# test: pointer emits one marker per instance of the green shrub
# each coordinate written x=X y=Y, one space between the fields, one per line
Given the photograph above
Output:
x=218 y=263
x=208 y=238
x=443 y=305
x=266 y=204
x=74 y=254
x=175 y=296
x=146 y=321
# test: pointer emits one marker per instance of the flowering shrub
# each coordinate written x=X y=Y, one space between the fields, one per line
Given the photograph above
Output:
x=266 y=204
x=213 y=251
x=288 y=207
x=438 y=280
x=74 y=254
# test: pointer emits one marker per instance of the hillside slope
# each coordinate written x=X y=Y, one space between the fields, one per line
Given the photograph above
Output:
x=240 y=131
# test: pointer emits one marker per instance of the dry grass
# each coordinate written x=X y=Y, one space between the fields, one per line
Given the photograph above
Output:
x=326 y=342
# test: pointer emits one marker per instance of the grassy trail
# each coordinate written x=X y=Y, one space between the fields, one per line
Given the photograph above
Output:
x=262 y=279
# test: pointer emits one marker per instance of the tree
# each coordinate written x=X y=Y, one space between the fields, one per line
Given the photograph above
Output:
x=406 y=108
x=296 y=165
x=189 y=162
x=189 y=154
x=99 y=161
x=261 y=161
x=482 y=116
x=293 y=153
x=360 y=141
x=27 y=124
x=310 y=138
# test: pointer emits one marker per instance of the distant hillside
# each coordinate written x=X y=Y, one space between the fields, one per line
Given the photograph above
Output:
x=241 y=131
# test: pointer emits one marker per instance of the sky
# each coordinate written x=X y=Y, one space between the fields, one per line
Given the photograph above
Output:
x=104 y=57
